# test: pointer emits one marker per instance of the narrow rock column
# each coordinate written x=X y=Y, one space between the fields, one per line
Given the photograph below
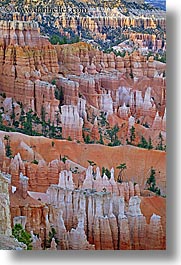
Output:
x=123 y=227
x=137 y=224
x=155 y=233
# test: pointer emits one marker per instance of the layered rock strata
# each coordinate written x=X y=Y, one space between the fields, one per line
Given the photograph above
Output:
x=109 y=223
x=5 y=216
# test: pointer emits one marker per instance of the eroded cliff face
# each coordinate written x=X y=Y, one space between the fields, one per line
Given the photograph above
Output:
x=5 y=216
x=104 y=216
x=87 y=209
x=81 y=57
x=138 y=161
x=70 y=85
x=81 y=94
x=26 y=59
x=101 y=218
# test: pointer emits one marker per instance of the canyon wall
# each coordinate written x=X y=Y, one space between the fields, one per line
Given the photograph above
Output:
x=5 y=216
x=138 y=161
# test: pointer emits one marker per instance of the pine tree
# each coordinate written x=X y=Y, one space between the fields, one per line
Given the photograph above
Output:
x=151 y=182
x=150 y=146
x=122 y=167
x=107 y=172
x=143 y=143
x=160 y=144
x=7 y=146
x=22 y=236
x=13 y=113
x=132 y=134
x=101 y=141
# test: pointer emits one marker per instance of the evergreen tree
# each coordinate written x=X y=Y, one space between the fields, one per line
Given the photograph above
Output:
x=101 y=141
x=87 y=139
x=122 y=167
x=7 y=146
x=113 y=136
x=151 y=181
x=22 y=236
x=52 y=234
x=150 y=146
x=103 y=120
x=64 y=159
x=91 y=163
x=160 y=144
x=107 y=172
x=13 y=113
x=143 y=143
x=132 y=134
x=27 y=124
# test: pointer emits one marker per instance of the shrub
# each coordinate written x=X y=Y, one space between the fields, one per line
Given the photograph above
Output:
x=35 y=162
x=91 y=163
x=143 y=143
x=64 y=159
x=52 y=234
x=107 y=172
x=132 y=134
x=151 y=182
x=22 y=236
x=7 y=146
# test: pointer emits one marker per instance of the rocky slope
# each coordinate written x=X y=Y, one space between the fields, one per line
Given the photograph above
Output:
x=138 y=161
x=69 y=116
x=67 y=19
x=89 y=218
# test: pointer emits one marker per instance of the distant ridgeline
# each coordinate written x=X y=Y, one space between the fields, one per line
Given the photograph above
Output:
x=157 y=3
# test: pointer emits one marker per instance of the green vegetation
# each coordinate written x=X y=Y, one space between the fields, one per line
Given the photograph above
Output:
x=122 y=167
x=101 y=141
x=52 y=234
x=151 y=182
x=69 y=138
x=7 y=146
x=150 y=146
x=30 y=124
x=22 y=236
x=56 y=39
x=103 y=119
x=64 y=159
x=107 y=172
x=87 y=139
x=143 y=143
x=132 y=136
x=161 y=57
x=35 y=162
x=13 y=113
x=160 y=143
x=53 y=82
x=91 y=163
x=113 y=136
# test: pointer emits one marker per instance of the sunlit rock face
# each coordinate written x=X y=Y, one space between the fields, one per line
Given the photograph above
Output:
x=85 y=94
x=5 y=217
